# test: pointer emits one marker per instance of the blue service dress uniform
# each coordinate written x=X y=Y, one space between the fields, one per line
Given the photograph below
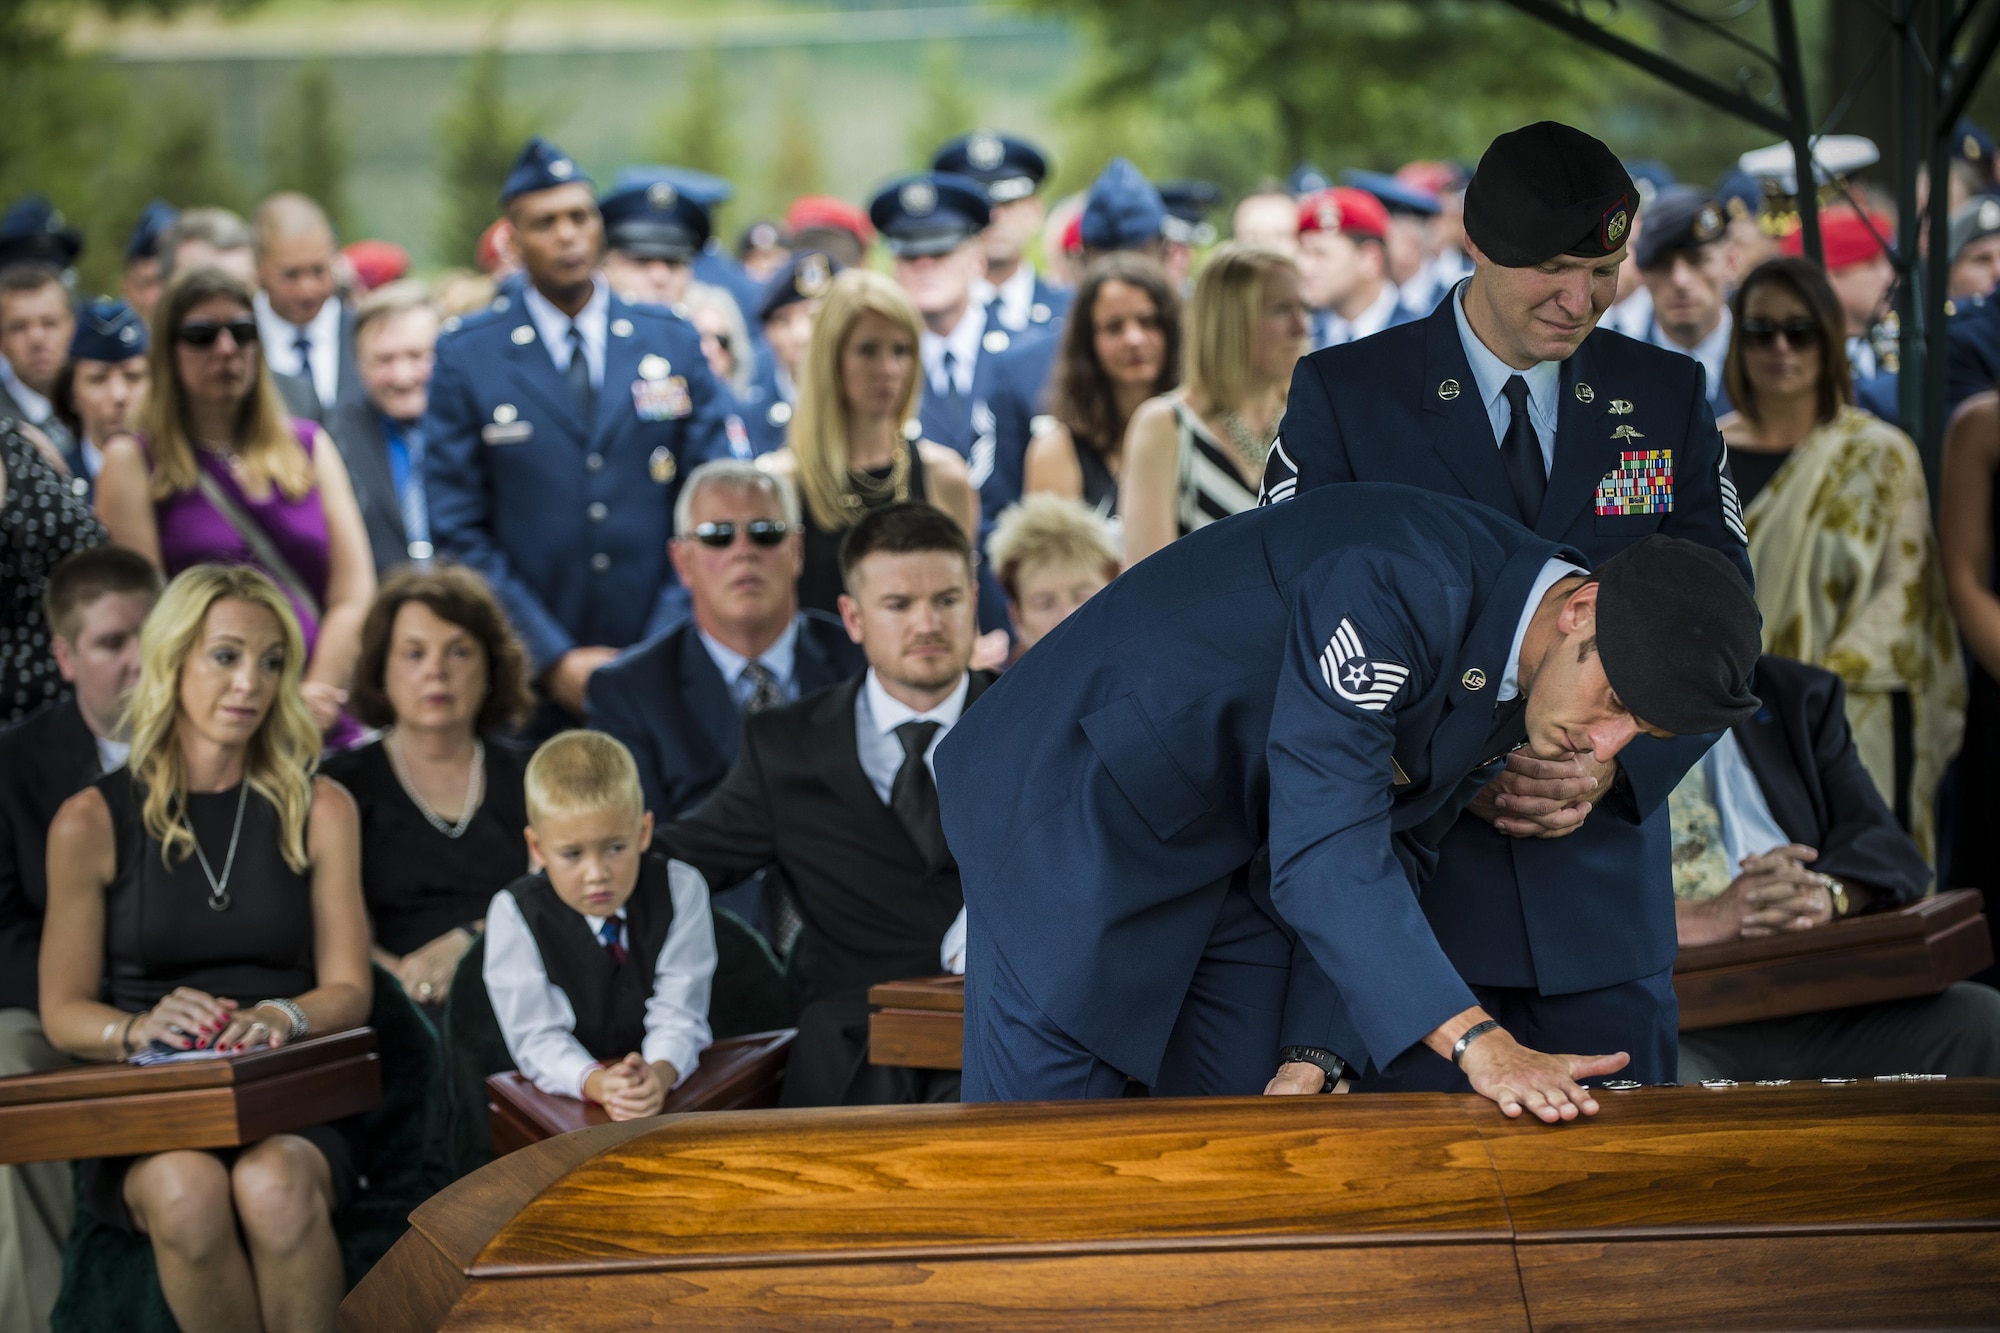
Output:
x=569 y=520
x=1576 y=927
x=1234 y=761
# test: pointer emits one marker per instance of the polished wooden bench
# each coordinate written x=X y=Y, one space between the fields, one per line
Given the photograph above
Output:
x=119 y=1110
x=1862 y=1205
x=735 y=1074
x=1918 y=950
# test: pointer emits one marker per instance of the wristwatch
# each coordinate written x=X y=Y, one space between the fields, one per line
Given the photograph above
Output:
x=1331 y=1065
x=1838 y=892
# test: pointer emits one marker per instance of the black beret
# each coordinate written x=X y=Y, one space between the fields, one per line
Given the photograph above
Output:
x=1678 y=632
x=1680 y=218
x=1548 y=190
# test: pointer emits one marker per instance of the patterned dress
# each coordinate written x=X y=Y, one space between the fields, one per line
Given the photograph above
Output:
x=41 y=521
x=1848 y=579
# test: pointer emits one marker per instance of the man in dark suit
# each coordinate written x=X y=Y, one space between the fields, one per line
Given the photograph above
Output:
x=305 y=328
x=380 y=432
x=678 y=702
x=1221 y=781
x=1780 y=828
x=837 y=792
x=96 y=601
x=561 y=419
x=1557 y=878
x=37 y=322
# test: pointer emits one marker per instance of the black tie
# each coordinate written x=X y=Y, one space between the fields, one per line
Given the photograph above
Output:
x=1522 y=452
x=304 y=347
x=1510 y=727
x=764 y=691
x=913 y=796
x=950 y=394
x=579 y=377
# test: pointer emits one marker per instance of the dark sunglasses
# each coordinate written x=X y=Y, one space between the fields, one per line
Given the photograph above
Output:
x=1796 y=332
x=762 y=532
x=201 y=333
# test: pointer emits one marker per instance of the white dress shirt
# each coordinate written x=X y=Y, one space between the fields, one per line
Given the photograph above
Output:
x=1491 y=374
x=1711 y=351
x=1748 y=827
x=281 y=345
x=963 y=344
x=1016 y=296
x=877 y=714
x=36 y=407
x=1369 y=322
x=111 y=755
x=779 y=659
x=538 y=1022
x=593 y=322
x=1553 y=571
x=1633 y=315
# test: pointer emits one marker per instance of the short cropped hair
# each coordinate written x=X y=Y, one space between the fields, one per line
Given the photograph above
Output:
x=82 y=577
x=29 y=275
x=218 y=228
x=389 y=300
x=582 y=772
x=742 y=474
x=461 y=596
x=1045 y=529
x=901 y=529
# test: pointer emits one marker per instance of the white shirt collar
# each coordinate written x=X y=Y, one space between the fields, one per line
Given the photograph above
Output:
x=963 y=344
x=1710 y=351
x=1492 y=374
x=1553 y=572
x=322 y=333
x=778 y=659
x=1369 y=322
x=36 y=406
x=1016 y=296
x=886 y=712
x=111 y=755
x=593 y=322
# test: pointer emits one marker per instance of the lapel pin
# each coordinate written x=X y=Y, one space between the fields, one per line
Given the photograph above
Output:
x=653 y=367
x=501 y=303
x=621 y=328
x=1448 y=390
x=1619 y=407
x=661 y=465
x=995 y=341
x=523 y=335
x=1627 y=433
x=1474 y=679
x=504 y=413
x=1584 y=393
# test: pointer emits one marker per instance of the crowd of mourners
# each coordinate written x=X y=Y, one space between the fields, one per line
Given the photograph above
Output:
x=577 y=624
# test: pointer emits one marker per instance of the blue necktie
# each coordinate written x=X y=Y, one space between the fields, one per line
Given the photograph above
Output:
x=579 y=378
x=608 y=933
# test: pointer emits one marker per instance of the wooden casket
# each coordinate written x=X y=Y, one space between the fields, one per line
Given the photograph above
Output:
x=1859 y=1205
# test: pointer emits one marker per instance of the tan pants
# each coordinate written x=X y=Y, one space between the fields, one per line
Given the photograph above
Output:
x=34 y=1199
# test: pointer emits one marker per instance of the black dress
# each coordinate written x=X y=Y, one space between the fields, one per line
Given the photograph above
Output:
x=1975 y=839
x=1100 y=488
x=161 y=933
x=1752 y=470
x=418 y=882
x=820 y=585
x=41 y=521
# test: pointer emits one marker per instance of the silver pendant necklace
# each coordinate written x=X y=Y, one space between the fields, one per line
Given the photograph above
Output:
x=454 y=831
x=218 y=889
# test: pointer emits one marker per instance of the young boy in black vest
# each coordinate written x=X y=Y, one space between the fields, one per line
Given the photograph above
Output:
x=599 y=963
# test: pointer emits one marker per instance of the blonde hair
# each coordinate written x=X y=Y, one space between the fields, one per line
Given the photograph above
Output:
x=582 y=772
x=1046 y=529
x=262 y=436
x=283 y=754
x=1222 y=321
x=818 y=438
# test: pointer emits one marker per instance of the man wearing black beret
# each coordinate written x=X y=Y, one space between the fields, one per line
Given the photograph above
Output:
x=1553 y=894
x=1687 y=266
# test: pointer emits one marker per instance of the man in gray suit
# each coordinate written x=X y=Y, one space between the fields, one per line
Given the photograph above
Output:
x=377 y=430
x=305 y=329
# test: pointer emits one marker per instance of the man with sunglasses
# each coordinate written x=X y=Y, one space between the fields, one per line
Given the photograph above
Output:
x=561 y=420
x=678 y=703
x=1554 y=890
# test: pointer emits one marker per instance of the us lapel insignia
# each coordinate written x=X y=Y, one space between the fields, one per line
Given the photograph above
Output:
x=523 y=335
x=1584 y=393
x=995 y=341
x=621 y=328
x=1474 y=679
x=1628 y=433
x=653 y=367
x=1448 y=390
x=1619 y=407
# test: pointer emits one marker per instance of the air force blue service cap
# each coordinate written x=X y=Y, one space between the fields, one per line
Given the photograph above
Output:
x=1187 y=204
x=541 y=166
x=650 y=215
x=144 y=242
x=1306 y=179
x=932 y=213
x=1546 y=190
x=35 y=230
x=1651 y=178
x=805 y=277
x=1123 y=209
x=1009 y=168
x=107 y=330
x=1396 y=196
x=1680 y=219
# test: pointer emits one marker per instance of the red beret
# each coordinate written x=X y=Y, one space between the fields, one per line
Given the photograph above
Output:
x=377 y=262
x=823 y=210
x=1072 y=237
x=1341 y=209
x=487 y=253
x=1845 y=238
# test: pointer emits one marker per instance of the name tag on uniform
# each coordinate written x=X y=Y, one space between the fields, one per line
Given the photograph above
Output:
x=661 y=400
x=1642 y=483
x=507 y=432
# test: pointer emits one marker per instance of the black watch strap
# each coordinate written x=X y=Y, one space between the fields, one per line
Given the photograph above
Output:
x=1329 y=1064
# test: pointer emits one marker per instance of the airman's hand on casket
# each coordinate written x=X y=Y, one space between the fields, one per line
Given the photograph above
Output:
x=1518 y=1079
x=1543 y=798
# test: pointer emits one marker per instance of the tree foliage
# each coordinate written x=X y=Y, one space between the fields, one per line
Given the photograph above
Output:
x=947 y=108
x=481 y=134
x=307 y=147
x=698 y=129
x=795 y=167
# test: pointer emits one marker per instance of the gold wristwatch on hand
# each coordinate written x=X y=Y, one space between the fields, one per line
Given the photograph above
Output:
x=1838 y=892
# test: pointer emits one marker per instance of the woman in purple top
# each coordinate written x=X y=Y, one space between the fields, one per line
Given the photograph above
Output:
x=223 y=475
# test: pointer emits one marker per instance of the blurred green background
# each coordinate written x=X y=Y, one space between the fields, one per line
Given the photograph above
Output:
x=402 y=118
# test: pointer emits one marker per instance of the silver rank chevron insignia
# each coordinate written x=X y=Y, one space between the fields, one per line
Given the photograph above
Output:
x=1367 y=683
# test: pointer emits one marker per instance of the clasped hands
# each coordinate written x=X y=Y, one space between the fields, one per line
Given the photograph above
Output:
x=188 y=1019
x=1543 y=798
x=1772 y=893
x=630 y=1089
